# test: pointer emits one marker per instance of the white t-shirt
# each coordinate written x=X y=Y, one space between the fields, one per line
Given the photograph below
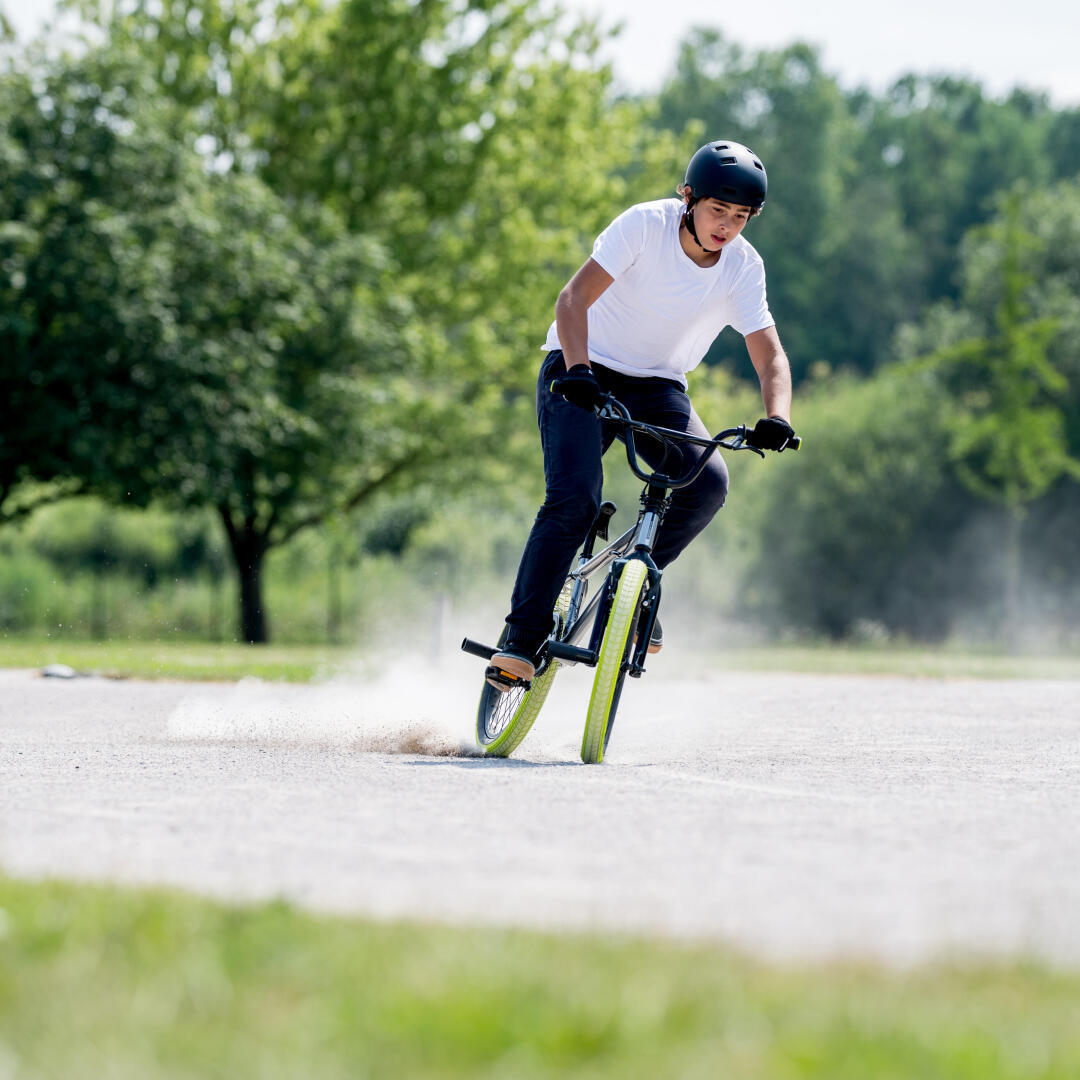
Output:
x=663 y=311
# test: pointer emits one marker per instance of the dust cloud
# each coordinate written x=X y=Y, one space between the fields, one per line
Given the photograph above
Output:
x=405 y=710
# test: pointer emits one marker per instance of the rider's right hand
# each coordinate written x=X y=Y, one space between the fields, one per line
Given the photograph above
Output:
x=579 y=386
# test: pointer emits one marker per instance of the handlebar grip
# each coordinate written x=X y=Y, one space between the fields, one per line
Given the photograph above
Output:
x=794 y=444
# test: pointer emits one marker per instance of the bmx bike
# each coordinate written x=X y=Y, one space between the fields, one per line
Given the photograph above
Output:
x=618 y=619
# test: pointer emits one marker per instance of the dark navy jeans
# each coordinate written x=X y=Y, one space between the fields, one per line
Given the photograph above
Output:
x=574 y=441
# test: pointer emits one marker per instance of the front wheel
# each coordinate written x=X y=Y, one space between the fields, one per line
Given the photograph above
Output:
x=614 y=660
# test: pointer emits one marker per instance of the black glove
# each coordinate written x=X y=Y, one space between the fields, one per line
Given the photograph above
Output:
x=579 y=387
x=771 y=434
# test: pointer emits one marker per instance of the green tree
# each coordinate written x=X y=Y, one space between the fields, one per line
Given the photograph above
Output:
x=1008 y=437
x=177 y=334
x=857 y=528
x=78 y=176
x=307 y=382
x=949 y=149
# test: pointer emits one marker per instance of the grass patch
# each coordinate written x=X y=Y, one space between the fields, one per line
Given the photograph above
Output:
x=951 y=662
x=179 y=660
x=100 y=982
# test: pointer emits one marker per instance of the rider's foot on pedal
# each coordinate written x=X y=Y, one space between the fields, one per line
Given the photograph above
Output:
x=508 y=668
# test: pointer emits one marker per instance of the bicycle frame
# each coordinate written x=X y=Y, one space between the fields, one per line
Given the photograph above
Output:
x=634 y=543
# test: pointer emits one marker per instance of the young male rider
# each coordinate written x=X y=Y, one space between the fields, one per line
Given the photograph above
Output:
x=664 y=279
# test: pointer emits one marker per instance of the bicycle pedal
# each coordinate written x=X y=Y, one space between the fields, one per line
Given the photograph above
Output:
x=505 y=680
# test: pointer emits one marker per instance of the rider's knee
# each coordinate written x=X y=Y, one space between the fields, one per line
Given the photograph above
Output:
x=718 y=489
x=709 y=492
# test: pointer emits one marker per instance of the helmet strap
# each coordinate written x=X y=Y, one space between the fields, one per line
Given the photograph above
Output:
x=688 y=221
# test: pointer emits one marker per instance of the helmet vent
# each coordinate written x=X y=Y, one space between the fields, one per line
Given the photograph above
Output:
x=727 y=161
x=758 y=165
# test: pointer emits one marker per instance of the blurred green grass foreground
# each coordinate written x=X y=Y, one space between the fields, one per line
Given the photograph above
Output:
x=102 y=983
x=212 y=662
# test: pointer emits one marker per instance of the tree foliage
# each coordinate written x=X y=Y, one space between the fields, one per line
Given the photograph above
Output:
x=1008 y=425
x=891 y=515
x=180 y=334
x=1008 y=429
x=850 y=530
x=78 y=180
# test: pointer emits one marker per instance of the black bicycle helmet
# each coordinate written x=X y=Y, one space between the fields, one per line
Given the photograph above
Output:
x=727 y=171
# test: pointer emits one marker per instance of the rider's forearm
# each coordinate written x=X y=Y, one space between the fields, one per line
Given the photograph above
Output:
x=572 y=326
x=776 y=389
x=773 y=371
x=775 y=377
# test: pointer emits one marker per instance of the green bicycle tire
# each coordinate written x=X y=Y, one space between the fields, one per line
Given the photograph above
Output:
x=611 y=665
x=524 y=705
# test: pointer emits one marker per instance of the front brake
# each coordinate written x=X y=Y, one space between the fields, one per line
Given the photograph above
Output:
x=743 y=444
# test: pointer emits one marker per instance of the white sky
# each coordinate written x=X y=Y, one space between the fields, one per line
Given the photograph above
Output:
x=999 y=42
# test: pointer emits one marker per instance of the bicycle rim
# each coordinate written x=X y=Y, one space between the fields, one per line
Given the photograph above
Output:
x=503 y=720
x=612 y=663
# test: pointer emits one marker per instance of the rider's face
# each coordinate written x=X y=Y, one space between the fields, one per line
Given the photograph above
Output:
x=718 y=223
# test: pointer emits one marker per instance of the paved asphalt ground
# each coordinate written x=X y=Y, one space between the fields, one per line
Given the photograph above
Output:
x=797 y=816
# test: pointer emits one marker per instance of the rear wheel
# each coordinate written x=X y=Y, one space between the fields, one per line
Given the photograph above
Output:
x=614 y=660
x=504 y=719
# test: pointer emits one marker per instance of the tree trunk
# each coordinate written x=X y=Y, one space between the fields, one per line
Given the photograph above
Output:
x=248 y=547
x=252 y=616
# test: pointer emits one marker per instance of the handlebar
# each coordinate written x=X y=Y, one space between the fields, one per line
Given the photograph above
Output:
x=613 y=410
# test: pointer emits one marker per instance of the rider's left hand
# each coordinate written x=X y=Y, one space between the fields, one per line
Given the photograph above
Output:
x=773 y=433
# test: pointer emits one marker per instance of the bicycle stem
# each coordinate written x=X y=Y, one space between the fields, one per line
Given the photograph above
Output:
x=648 y=526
